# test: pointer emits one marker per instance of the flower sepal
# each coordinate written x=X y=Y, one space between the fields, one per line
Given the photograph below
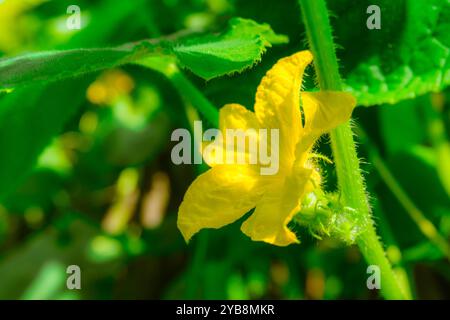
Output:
x=324 y=215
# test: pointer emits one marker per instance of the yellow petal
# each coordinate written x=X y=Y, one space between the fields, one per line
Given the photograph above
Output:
x=326 y=110
x=277 y=103
x=218 y=197
x=279 y=204
x=213 y=152
x=235 y=117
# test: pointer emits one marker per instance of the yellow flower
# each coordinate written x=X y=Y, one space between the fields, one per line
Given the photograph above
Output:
x=226 y=192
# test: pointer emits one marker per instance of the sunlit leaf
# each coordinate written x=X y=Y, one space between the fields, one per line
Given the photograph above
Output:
x=407 y=57
x=240 y=47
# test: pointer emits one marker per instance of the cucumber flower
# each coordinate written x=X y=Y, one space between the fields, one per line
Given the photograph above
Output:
x=227 y=192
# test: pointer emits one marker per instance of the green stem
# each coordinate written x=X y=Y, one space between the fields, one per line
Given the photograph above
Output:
x=168 y=67
x=195 y=100
x=393 y=251
x=351 y=184
x=189 y=92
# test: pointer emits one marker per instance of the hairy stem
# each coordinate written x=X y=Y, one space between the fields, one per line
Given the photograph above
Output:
x=351 y=184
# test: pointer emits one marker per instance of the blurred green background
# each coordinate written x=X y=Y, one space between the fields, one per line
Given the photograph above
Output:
x=104 y=193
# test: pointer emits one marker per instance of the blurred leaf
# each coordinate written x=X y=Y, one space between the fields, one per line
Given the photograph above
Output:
x=104 y=249
x=415 y=170
x=433 y=107
x=401 y=126
x=236 y=289
x=29 y=118
x=424 y=251
x=56 y=65
x=26 y=272
x=49 y=281
x=38 y=190
x=412 y=54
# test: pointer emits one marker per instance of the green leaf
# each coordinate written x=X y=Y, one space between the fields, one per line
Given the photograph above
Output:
x=57 y=65
x=237 y=49
x=408 y=57
x=402 y=126
x=240 y=47
x=415 y=171
x=29 y=118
